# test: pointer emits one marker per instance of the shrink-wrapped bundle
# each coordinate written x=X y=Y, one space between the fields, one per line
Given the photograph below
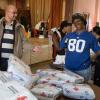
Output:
x=67 y=75
x=46 y=92
x=20 y=71
x=14 y=91
x=78 y=91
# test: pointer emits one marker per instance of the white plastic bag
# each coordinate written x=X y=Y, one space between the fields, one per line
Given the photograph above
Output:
x=60 y=59
x=67 y=75
x=46 y=92
x=20 y=71
x=16 y=62
x=70 y=77
x=46 y=72
x=78 y=91
x=14 y=91
x=52 y=80
x=5 y=77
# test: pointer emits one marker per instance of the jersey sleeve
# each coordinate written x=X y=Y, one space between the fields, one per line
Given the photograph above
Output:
x=63 y=43
x=94 y=44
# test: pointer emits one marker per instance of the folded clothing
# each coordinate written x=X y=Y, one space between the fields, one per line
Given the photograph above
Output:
x=46 y=91
x=78 y=91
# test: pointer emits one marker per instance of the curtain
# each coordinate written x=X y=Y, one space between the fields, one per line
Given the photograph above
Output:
x=40 y=10
x=55 y=13
x=69 y=9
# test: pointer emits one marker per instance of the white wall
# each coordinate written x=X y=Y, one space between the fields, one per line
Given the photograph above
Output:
x=98 y=11
x=86 y=6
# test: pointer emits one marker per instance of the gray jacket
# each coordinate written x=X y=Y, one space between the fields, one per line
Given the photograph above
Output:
x=19 y=38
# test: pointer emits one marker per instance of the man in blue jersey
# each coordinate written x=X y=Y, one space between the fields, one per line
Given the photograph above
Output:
x=78 y=44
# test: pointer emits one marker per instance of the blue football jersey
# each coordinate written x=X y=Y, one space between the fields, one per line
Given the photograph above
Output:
x=78 y=49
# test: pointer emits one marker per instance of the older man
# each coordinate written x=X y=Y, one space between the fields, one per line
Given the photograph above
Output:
x=11 y=36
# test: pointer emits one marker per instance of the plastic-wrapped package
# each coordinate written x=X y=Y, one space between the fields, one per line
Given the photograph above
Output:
x=60 y=59
x=78 y=91
x=52 y=80
x=70 y=77
x=46 y=92
x=5 y=77
x=20 y=71
x=14 y=91
x=15 y=61
x=46 y=72
x=35 y=78
x=26 y=81
x=67 y=76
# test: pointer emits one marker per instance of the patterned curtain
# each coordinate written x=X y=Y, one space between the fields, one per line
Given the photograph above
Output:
x=69 y=9
x=55 y=13
x=40 y=10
